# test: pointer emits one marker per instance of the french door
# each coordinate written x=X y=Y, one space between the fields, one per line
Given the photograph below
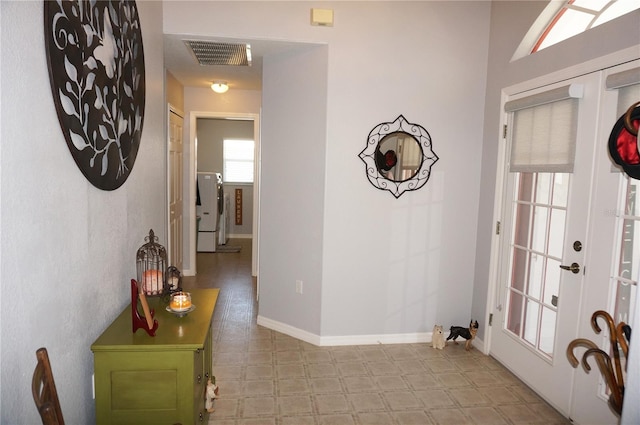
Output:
x=544 y=233
x=558 y=233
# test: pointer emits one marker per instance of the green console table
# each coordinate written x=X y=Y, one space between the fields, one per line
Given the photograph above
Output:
x=140 y=379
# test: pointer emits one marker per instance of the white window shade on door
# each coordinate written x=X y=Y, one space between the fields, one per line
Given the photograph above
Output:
x=628 y=85
x=544 y=128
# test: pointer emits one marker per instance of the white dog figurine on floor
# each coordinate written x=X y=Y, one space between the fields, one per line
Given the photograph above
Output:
x=437 y=338
x=212 y=393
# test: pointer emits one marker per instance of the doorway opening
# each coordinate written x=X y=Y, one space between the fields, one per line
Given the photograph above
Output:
x=196 y=166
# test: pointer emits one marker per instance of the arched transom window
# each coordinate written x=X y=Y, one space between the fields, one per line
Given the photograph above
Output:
x=561 y=20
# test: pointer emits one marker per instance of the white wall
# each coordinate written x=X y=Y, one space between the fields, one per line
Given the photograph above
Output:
x=380 y=266
x=68 y=249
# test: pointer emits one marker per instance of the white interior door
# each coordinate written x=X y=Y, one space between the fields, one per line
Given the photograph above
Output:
x=175 y=185
x=542 y=253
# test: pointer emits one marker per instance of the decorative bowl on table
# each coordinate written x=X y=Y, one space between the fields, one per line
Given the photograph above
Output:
x=180 y=303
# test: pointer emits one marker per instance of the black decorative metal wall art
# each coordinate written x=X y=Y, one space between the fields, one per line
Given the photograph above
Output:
x=96 y=68
x=398 y=156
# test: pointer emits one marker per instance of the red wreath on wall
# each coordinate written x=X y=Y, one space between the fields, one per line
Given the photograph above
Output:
x=623 y=142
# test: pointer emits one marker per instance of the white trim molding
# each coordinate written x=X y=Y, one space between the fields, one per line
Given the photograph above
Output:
x=345 y=340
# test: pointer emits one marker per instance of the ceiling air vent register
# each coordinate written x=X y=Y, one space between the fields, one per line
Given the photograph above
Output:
x=215 y=53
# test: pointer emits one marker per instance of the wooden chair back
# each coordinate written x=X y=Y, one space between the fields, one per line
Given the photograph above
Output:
x=44 y=391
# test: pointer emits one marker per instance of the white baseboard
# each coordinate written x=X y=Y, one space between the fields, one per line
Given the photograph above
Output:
x=329 y=341
x=240 y=236
x=289 y=330
x=479 y=344
x=334 y=341
x=410 y=338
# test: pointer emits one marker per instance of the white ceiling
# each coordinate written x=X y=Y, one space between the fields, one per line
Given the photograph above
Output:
x=182 y=64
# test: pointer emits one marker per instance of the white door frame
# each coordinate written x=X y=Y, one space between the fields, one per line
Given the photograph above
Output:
x=171 y=109
x=191 y=183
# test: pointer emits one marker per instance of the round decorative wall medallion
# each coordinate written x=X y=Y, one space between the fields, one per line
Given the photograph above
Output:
x=398 y=156
x=96 y=68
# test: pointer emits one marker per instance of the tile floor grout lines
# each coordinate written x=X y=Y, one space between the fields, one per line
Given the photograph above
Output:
x=268 y=378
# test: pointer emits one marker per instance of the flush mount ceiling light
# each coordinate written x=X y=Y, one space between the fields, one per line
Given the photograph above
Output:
x=215 y=53
x=220 y=86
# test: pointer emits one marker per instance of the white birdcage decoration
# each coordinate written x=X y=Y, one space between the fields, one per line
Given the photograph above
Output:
x=151 y=261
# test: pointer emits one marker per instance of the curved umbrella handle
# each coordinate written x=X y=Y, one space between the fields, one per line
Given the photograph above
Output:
x=628 y=123
x=622 y=338
x=613 y=340
x=604 y=364
x=573 y=344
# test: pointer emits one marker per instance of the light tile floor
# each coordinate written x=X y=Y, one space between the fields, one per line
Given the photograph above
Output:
x=269 y=378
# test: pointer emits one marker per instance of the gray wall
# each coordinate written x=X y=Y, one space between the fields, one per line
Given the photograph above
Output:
x=211 y=133
x=292 y=187
x=371 y=264
x=67 y=249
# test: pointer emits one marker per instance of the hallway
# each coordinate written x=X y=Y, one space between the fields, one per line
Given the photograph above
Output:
x=268 y=378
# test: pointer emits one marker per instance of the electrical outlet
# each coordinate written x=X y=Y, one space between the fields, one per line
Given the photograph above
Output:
x=298 y=287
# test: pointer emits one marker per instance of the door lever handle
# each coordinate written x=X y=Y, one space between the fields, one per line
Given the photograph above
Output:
x=574 y=268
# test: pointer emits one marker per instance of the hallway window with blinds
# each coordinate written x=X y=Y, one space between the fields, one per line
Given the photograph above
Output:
x=238 y=160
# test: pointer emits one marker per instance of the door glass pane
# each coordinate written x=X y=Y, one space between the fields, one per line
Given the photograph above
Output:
x=543 y=188
x=560 y=190
x=625 y=300
x=514 y=318
x=537 y=244
x=535 y=276
x=539 y=228
x=519 y=269
x=626 y=282
x=632 y=206
x=521 y=228
x=627 y=260
x=530 y=333
x=556 y=228
x=547 y=330
x=552 y=281
x=525 y=189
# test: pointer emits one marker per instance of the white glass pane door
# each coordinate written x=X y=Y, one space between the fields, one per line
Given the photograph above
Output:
x=539 y=211
x=569 y=246
x=542 y=261
x=628 y=259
